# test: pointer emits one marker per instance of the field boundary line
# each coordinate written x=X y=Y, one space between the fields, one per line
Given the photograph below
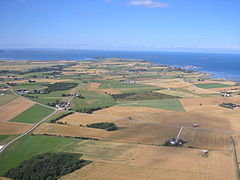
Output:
x=16 y=94
x=28 y=131
x=235 y=158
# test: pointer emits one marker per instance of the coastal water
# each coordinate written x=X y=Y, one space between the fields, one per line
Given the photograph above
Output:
x=221 y=65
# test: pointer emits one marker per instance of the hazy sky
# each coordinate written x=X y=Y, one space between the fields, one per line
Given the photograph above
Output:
x=121 y=24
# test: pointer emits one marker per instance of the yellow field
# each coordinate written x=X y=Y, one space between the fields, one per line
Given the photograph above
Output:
x=8 y=128
x=15 y=107
x=153 y=163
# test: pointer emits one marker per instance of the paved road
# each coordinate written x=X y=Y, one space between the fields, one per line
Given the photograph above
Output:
x=28 y=99
x=35 y=125
x=28 y=131
x=140 y=121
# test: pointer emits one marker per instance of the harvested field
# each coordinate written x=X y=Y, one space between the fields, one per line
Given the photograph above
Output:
x=67 y=130
x=8 y=128
x=7 y=98
x=178 y=93
x=204 y=139
x=142 y=133
x=154 y=162
x=14 y=108
x=84 y=119
x=204 y=102
x=169 y=83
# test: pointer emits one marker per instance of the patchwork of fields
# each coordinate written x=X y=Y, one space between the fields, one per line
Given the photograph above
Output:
x=149 y=104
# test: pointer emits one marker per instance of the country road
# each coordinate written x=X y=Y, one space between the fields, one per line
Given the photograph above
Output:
x=35 y=125
x=140 y=121
x=28 y=131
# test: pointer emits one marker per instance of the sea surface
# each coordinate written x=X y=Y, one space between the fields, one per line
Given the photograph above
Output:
x=221 y=65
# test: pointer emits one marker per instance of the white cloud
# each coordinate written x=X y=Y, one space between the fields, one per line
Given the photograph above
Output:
x=148 y=3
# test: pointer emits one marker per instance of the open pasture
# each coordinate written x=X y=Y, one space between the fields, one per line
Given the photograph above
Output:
x=14 y=108
x=167 y=104
x=33 y=115
x=212 y=85
x=153 y=162
x=6 y=138
x=92 y=99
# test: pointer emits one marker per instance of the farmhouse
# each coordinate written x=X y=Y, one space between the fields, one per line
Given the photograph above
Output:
x=22 y=91
x=62 y=105
x=226 y=94
x=229 y=105
x=129 y=82
x=204 y=152
x=175 y=142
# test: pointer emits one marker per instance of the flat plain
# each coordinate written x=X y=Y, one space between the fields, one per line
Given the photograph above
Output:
x=148 y=103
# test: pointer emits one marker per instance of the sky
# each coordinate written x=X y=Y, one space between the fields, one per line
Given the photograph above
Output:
x=144 y=25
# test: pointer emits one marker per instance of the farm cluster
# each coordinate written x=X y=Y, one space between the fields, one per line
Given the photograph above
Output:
x=121 y=115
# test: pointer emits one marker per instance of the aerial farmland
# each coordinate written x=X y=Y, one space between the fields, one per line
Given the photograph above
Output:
x=121 y=116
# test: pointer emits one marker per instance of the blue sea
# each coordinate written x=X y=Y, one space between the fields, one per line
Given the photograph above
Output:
x=221 y=65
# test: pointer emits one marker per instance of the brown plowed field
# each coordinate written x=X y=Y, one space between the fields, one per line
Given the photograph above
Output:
x=8 y=128
x=15 y=107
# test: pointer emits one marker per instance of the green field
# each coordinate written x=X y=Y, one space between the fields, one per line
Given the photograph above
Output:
x=29 y=146
x=33 y=114
x=142 y=96
x=212 y=85
x=6 y=138
x=110 y=84
x=49 y=98
x=92 y=99
x=56 y=115
x=167 y=104
x=7 y=98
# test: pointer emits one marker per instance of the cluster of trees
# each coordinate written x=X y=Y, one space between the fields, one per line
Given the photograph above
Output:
x=48 y=166
x=60 y=86
x=90 y=110
x=54 y=103
x=75 y=137
x=104 y=125
x=12 y=84
x=122 y=96
x=29 y=96
x=60 y=117
x=52 y=73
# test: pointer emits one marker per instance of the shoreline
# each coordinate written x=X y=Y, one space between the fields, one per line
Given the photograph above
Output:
x=209 y=74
